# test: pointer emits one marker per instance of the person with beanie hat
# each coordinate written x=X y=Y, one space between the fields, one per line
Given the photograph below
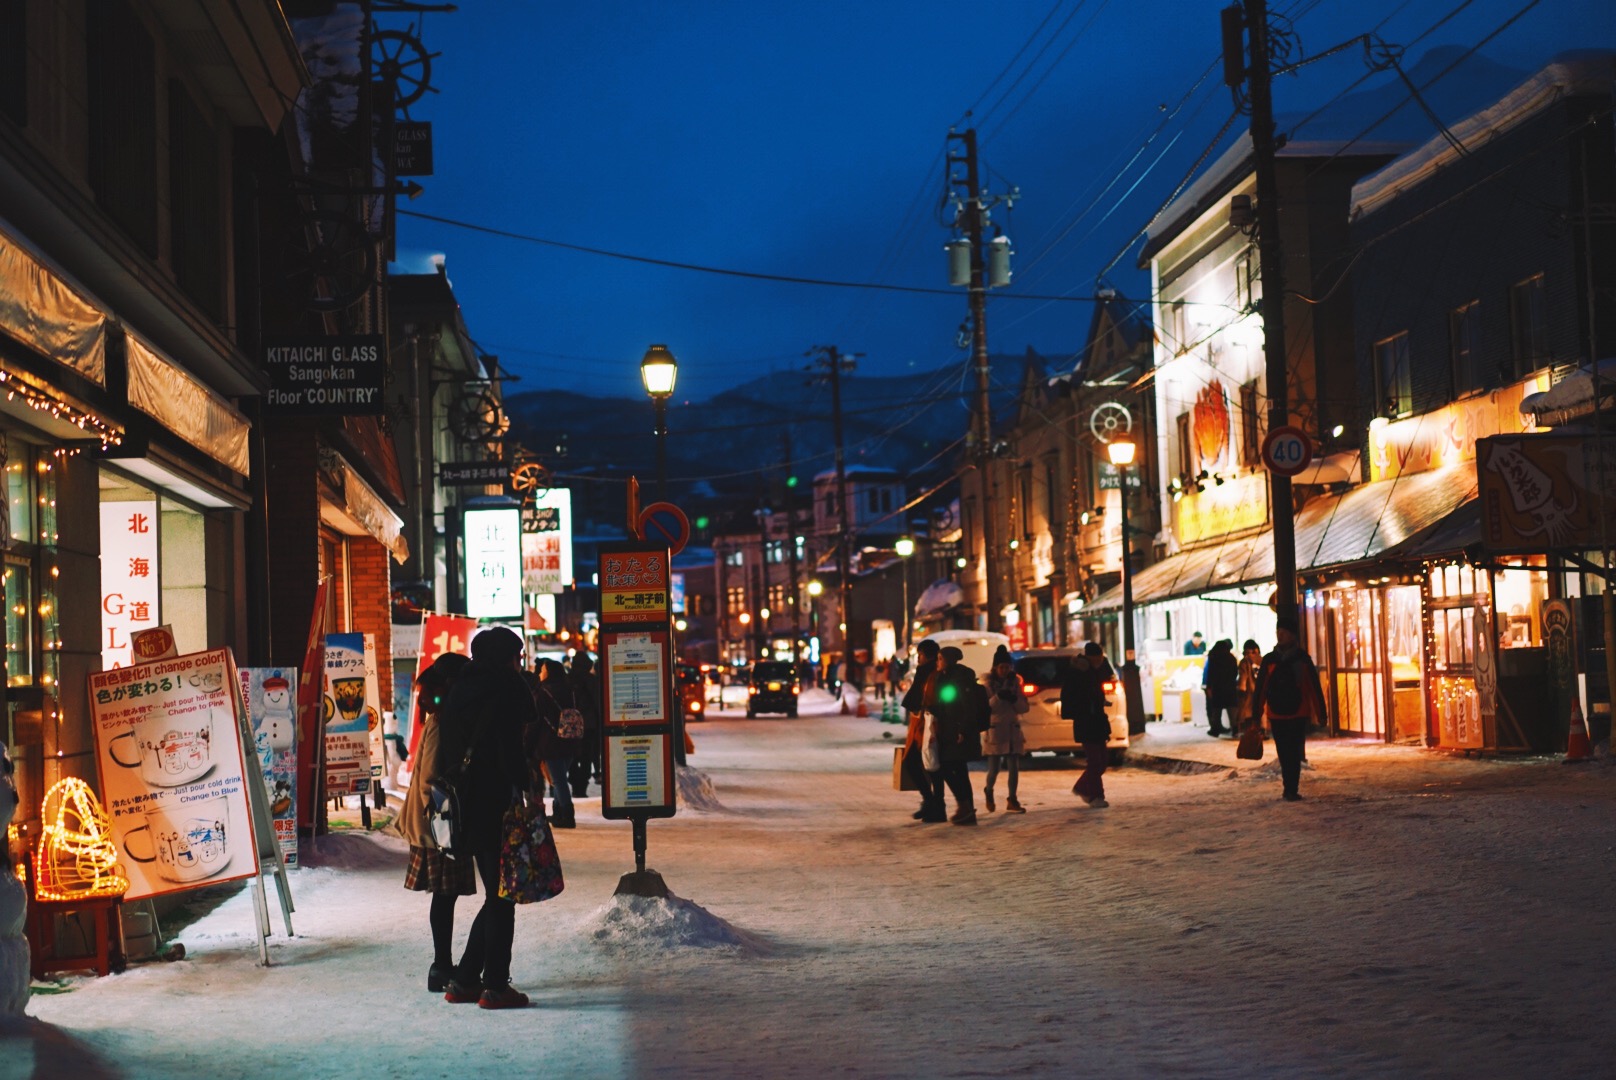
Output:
x=1289 y=694
x=960 y=713
x=1003 y=742
x=482 y=725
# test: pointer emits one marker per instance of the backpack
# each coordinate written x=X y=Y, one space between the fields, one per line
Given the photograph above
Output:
x=571 y=725
x=1283 y=694
x=443 y=819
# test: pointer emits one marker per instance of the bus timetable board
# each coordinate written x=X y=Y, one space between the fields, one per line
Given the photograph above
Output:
x=637 y=692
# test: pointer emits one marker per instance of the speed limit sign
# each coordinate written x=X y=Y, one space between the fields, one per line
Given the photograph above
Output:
x=1287 y=450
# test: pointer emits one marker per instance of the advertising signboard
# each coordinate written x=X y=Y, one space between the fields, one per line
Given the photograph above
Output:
x=350 y=712
x=547 y=541
x=173 y=775
x=270 y=694
x=494 y=562
x=325 y=375
x=129 y=584
x=412 y=148
x=440 y=634
x=473 y=473
x=1541 y=492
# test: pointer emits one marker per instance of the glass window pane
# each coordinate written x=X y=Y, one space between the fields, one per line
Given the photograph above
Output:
x=19 y=623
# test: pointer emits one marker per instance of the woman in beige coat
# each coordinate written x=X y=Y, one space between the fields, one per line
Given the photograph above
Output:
x=431 y=869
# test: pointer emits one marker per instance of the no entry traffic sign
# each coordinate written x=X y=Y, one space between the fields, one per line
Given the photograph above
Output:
x=1287 y=450
x=665 y=523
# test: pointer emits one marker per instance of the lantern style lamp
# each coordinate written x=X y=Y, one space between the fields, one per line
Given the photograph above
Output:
x=1122 y=452
x=658 y=371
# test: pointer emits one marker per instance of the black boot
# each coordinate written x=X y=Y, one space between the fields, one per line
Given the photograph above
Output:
x=563 y=818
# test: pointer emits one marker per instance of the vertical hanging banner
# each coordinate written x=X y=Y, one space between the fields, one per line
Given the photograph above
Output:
x=440 y=635
x=271 y=699
x=170 y=754
x=636 y=683
x=493 y=538
x=547 y=541
x=310 y=714
x=350 y=712
x=129 y=583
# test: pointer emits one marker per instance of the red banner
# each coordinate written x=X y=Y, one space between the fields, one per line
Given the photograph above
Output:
x=440 y=634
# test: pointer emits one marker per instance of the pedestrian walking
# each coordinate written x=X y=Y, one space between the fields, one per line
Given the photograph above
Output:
x=556 y=739
x=1289 y=695
x=960 y=713
x=480 y=740
x=914 y=704
x=1246 y=684
x=431 y=868
x=1003 y=743
x=878 y=676
x=1220 y=677
x=586 y=696
x=1083 y=703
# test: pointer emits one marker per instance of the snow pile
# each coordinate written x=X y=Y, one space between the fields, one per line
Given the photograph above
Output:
x=13 y=909
x=644 y=925
x=355 y=850
x=696 y=789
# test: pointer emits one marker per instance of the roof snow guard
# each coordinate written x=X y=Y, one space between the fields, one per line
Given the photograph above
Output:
x=1571 y=74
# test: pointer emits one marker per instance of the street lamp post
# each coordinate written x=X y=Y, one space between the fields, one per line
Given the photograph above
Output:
x=658 y=370
x=816 y=588
x=905 y=547
x=1121 y=452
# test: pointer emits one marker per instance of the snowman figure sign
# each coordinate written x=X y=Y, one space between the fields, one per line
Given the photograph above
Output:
x=279 y=714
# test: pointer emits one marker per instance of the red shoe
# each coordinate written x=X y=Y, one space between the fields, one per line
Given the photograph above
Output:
x=508 y=998
x=462 y=993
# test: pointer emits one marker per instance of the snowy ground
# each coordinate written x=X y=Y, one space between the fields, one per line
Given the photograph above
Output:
x=1417 y=915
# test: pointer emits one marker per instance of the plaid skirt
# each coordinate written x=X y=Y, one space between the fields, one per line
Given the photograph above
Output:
x=433 y=871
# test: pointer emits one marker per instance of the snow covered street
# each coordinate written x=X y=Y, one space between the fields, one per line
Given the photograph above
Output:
x=1416 y=915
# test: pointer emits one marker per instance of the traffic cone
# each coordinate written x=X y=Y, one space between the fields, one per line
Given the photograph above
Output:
x=863 y=709
x=845 y=710
x=1578 y=747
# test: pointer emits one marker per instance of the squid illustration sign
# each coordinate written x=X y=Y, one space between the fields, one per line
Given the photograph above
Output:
x=1544 y=491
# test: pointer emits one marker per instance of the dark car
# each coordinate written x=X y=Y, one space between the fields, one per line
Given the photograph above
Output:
x=692 y=683
x=772 y=687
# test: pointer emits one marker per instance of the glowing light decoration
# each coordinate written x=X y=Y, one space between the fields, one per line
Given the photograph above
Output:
x=76 y=858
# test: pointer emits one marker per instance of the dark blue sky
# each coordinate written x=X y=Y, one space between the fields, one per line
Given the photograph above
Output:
x=806 y=139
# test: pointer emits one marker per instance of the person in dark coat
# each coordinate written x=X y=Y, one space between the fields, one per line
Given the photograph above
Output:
x=1083 y=703
x=586 y=695
x=959 y=708
x=545 y=746
x=1289 y=695
x=914 y=703
x=482 y=724
x=1220 y=680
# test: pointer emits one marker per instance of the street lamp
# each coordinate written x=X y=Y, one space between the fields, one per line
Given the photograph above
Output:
x=1121 y=452
x=658 y=370
x=905 y=547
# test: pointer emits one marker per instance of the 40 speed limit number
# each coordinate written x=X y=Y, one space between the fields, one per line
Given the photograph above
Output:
x=1287 y=450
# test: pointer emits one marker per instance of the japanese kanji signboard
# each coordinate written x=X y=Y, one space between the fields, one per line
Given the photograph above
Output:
x=169 y=749
x=1544 y=492
x=350 y=711
x=634 y=586
x=129 y=584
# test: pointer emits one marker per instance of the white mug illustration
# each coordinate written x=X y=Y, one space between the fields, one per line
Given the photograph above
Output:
x=188 y=843
x=279 y=717
x=169 y=752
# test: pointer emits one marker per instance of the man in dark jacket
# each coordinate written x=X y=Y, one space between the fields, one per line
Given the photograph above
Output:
x=959 y=708
x=914 y=703
x=1289 y=694
x=1083 y=703
x=1220 y=676
x=586 y=695
x=482 y=724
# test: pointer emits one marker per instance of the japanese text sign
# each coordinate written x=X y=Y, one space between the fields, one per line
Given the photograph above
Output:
x=129 y=584
x=634 y=586
x=494 y=562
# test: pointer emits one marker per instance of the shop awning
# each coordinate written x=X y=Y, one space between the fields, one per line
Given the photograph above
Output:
x=39 y=307
x=360 y=511
x=175 y=398
x=1368 y=522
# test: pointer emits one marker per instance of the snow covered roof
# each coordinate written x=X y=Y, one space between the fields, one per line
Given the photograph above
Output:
x=866 y=472
x=1567 y=75
x=1572 y=396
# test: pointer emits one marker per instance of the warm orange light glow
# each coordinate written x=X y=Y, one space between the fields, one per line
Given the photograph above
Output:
x=75 y=858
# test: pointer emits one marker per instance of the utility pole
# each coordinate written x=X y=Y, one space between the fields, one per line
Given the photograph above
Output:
x=1271 y=259
x=791 y=550
x=829 y=366
x=971 y=214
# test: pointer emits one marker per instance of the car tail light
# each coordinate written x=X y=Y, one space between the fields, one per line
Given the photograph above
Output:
x=1030 y=688
x=795 y=691
x=751 y=689
x=1110 y=686
x=693 y=705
